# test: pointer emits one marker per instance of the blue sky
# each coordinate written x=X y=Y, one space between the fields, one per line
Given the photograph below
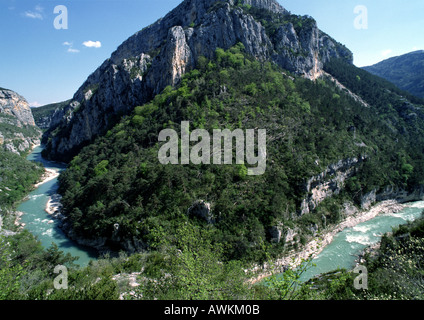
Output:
x=46 y=65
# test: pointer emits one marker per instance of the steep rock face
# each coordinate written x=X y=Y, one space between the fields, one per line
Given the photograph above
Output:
x=160 y=54
x=270 y=5
x=51 y=121
x=392 y=193
x=45 y=122
x=18 y=133
x=202 y=210
x=281 y=233
x=49 y=116
x=329 y=182
x=15 y=105
x=332 y=181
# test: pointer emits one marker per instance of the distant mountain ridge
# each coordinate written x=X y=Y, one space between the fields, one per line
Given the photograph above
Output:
x=49 y=115
x=405 y=71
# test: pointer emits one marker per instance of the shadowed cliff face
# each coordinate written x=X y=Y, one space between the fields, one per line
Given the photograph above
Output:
x=160 y=54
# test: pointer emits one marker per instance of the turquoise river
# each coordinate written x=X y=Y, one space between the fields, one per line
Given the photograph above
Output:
x=343 y=251
x=38 y=221
x=340 y=253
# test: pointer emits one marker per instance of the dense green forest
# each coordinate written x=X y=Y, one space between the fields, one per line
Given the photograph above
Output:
x=17 y=175
x=119 y=180
x=401 y=114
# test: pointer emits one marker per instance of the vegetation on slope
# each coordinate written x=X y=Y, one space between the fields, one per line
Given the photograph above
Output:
x=405 y=71
x=42 y=113
x=119 y=180
x=17 y=175
x=189 y=269
x=401 y=113
x=395 y=270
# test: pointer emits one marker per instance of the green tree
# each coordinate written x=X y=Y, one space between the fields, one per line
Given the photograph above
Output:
x=286 y=285
x=101 y=168
x=10 y=273
x=195 y=270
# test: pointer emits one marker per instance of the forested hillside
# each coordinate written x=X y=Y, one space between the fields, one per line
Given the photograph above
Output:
x=18 y=135
x=119 y=180
x=338 y=139
x=405 y=71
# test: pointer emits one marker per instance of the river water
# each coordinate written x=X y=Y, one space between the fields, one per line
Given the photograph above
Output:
x=348 y=244
x=37 y=220
x=340 y=253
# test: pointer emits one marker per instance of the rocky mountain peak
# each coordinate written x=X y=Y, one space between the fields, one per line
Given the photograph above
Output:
x=160 y=54
x=270 y=5
x=189 y=14
x=18 y=132
x=15 y=105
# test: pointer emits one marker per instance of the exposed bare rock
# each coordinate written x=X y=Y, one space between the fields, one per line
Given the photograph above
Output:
x=202 y=210
x=160 y=54
x=15 y=105
x=327 y=183
x=18 y=133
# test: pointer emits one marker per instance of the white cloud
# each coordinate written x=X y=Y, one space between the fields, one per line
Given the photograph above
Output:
x=33 y=15
x=70 y=47
x=35 y=104
x=385 y=53
x=37 y=13
x=92 y=44
x=72 y=50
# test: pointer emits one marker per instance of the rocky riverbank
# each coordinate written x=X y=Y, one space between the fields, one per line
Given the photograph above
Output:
x=314 y=247
x=48 y=175
x=54 y=208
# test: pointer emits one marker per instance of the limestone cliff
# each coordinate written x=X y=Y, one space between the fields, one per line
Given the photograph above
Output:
x=16 y=106
x=49 y=116
x=392 y=193
x=328 y=183
x=161 y=53
x=18 y=132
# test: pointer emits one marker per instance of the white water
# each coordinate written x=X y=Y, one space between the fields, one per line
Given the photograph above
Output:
x=348 y=244
x=39 y=222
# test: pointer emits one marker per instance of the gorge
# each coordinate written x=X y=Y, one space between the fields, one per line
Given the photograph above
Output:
x=340 y=147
